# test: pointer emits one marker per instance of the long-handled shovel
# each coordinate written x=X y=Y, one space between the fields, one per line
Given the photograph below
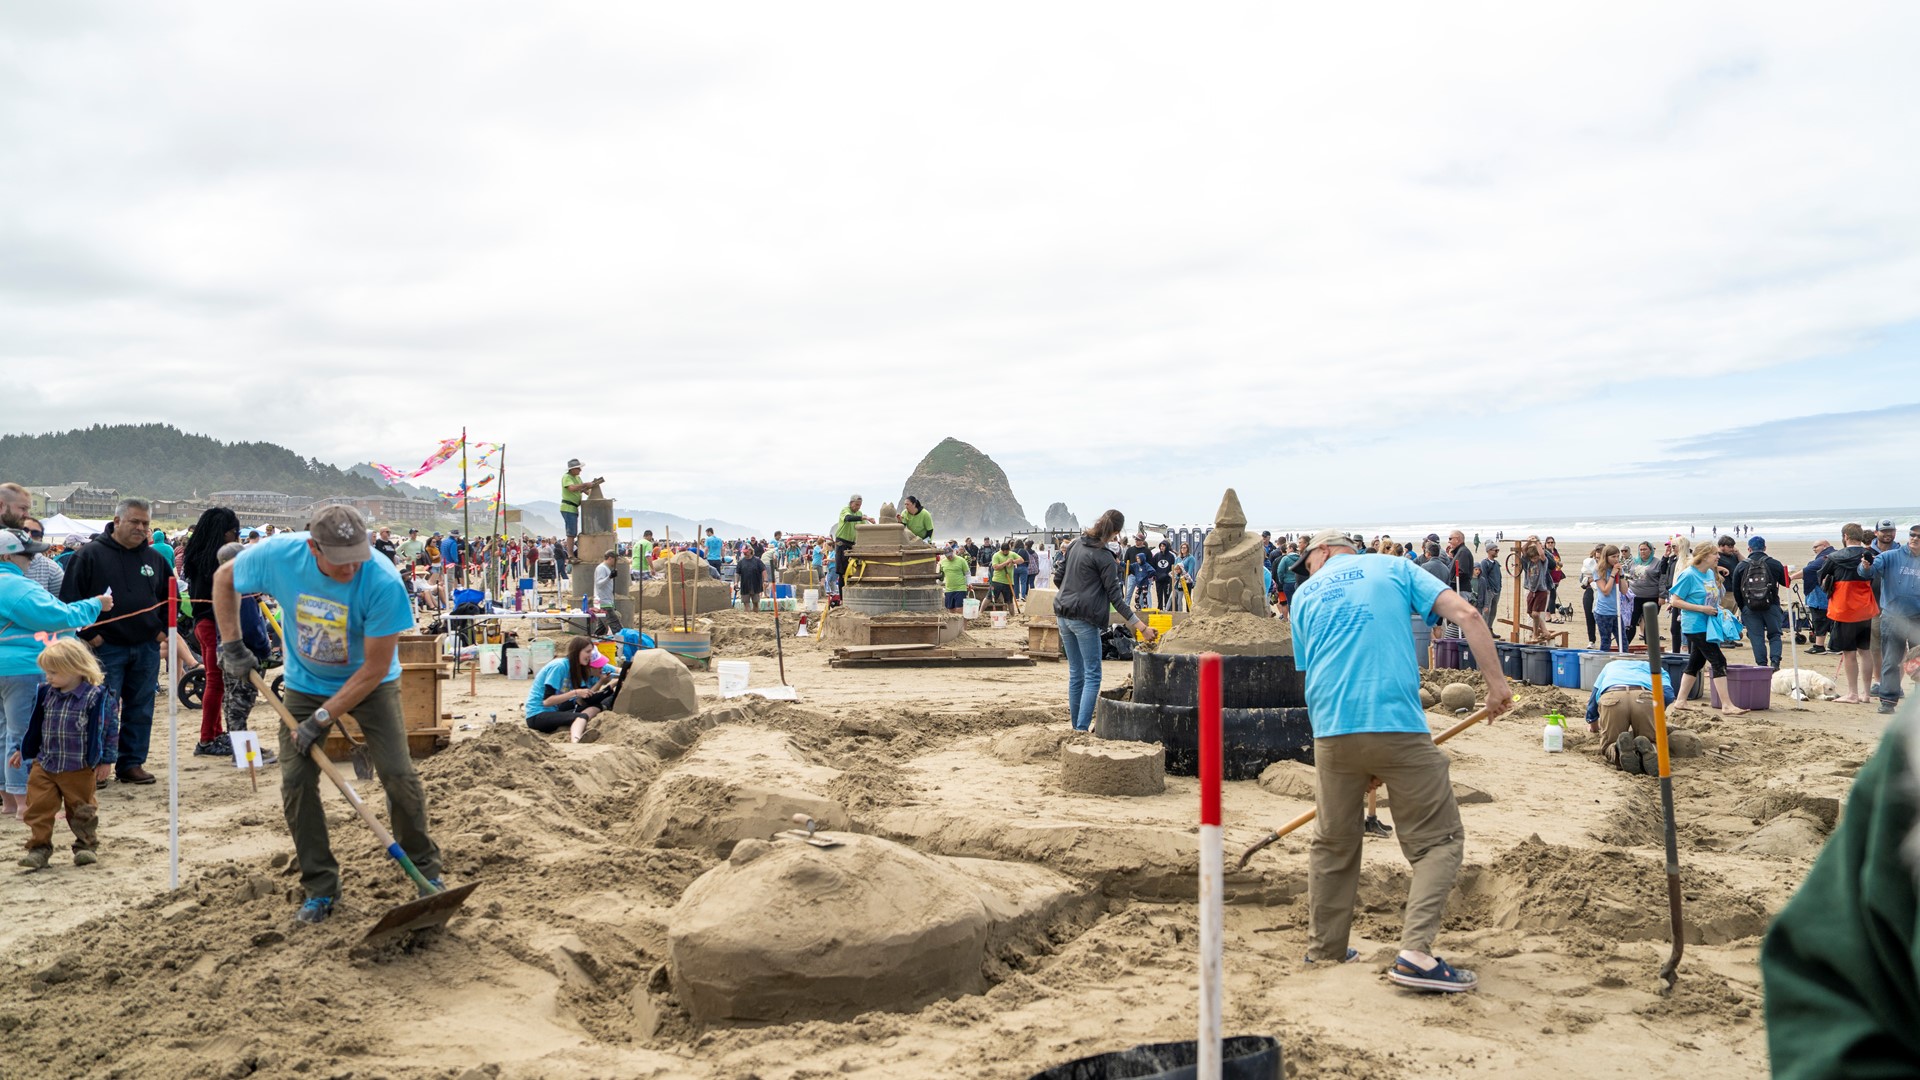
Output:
x=1793 y=648
x=1671 y=972
x=436 y=905
x=1309 y=815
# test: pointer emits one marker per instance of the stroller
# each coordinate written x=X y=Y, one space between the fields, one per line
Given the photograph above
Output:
x=191 y=688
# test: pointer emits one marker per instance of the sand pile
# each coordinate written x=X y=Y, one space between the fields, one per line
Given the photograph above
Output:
x=1237 y=633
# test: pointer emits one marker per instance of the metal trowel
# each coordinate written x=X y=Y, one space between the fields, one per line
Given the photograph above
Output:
x=805 y=834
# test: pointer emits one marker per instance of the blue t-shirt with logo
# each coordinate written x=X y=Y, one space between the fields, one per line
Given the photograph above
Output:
x=1695 y=586
x=713 y=548
x=326 y=622
x=1352 y=638
x=551 y=680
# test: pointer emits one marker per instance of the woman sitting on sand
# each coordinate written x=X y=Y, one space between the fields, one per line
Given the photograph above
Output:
x=572 y=689
x=1696 y=595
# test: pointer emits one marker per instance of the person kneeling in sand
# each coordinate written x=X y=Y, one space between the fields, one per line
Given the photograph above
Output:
x=573 y=688
x=1620 y=711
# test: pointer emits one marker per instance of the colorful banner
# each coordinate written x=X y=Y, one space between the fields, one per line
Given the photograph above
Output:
x=448 y=448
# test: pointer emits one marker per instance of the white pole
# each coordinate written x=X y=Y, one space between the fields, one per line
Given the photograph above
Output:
x=1212 y=974
x=173 y=733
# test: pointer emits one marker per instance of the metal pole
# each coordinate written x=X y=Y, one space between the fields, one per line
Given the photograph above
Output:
x=494 y=540
x=466 y=510
x=1212 y=872
x=173 y=732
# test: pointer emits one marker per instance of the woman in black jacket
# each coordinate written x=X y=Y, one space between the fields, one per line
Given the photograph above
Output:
x=1090 y=588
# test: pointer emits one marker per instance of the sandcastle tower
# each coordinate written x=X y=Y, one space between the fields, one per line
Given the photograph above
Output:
x=890 y=569
x=597 y=537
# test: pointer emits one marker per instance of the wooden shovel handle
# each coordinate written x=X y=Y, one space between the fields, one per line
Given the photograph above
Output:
x=1309 y=815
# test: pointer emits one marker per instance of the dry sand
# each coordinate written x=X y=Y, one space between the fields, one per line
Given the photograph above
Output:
x=558 y=969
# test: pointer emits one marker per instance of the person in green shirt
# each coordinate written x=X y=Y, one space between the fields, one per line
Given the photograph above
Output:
x=1841 y=963
x=844 y=534
x=953 y=577
x=1003 y=561
x=916 y=519
x=572 y=490
x=643 y=554
x=412 y=547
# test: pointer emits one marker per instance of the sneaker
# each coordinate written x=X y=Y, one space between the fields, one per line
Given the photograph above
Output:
x=1888 y=708
x=85 y=857
x=1441 y=977
x=1375 y=827
x=218 y=746
x=1629 y=753
x=1816 y=650
x=36 y=858
x=315 y=910
x=1352 y=955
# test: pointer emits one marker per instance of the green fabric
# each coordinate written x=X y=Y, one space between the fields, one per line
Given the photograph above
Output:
x=570 y=488
x=919 y=523
x=844 y=529
x=643 y=551
x=953 y=573
x=1841 y=964
x=1003 y=563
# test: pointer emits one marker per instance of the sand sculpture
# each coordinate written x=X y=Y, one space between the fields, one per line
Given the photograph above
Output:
x=658 y=687
x=1231 y=577
x=1113 y=769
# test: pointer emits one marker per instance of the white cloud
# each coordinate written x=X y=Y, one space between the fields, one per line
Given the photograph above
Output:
x=743 y=263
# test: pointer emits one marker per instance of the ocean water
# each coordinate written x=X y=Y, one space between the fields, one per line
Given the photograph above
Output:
x=1796 y=525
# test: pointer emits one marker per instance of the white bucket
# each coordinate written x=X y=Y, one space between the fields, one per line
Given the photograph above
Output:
x=970 y=608
x=812 y=599
x=999 y=620
x=517 y=664
x=733 y=677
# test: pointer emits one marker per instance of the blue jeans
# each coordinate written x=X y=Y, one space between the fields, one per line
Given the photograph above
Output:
x=133 y=674
x=1020 y=582
x=1609 y=627
x=571 y=519
x=1898 y=633
x=1763 y=631
x=16 y=708
x=1080 y=642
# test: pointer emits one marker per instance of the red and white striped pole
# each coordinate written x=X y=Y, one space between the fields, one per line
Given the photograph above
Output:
x=1212 y=871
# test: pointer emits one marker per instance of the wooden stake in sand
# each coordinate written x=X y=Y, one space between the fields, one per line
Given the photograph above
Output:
x=1212 y=870
x=1671 y=971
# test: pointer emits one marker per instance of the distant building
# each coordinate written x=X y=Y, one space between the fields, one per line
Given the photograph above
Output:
x=386 y=508
x=258 y=502
x=76 y=500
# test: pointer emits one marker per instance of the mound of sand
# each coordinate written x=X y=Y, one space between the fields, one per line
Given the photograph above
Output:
x=1235 y=634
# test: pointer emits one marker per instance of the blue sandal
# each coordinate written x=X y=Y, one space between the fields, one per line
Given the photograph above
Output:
x=1440 y=978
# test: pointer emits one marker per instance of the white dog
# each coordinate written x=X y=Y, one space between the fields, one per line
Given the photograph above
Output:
x=1815 y=684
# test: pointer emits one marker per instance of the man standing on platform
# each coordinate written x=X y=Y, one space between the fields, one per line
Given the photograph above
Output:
x=345 y=613
x=1351 y=639
x=572 y=490
x=845 y=532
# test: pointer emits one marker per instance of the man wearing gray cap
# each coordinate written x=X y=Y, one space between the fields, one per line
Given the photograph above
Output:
x=344 y=613
x=572 y=490
x=1351 y=640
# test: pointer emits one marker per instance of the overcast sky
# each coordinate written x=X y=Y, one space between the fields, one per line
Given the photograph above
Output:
x=1361 y=262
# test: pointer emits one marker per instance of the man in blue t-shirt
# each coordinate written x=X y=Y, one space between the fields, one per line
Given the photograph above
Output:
x=343 y=618
x=716 y=553
x=1351 y=639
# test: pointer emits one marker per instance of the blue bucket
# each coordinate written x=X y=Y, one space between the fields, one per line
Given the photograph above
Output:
x=1566 y=668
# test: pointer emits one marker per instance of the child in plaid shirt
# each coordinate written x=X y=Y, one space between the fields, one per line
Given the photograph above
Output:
x=73 y=740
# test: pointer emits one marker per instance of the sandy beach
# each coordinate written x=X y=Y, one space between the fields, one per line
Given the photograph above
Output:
x=558 y=967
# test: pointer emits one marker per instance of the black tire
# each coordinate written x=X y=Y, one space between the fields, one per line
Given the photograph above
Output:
x=279 y=687
x=192 y=688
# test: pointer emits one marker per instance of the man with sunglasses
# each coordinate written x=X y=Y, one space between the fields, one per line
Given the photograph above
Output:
x=16 y=512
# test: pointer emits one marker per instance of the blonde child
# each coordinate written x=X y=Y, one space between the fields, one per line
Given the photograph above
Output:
x=73 y=740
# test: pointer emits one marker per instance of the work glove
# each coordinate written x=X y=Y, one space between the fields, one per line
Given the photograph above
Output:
x=309 y=733
x=237 y=662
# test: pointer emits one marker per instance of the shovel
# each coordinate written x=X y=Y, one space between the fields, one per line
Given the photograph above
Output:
x=1793 y=650
x=436 y=905
x=1309 y=815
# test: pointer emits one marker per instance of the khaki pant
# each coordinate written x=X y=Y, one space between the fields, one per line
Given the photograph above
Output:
x=47 y=793
x=1426 y=821
x=1623 y=708
x=305 y=804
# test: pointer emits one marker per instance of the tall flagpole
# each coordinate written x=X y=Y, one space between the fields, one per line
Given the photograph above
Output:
x=466 y=509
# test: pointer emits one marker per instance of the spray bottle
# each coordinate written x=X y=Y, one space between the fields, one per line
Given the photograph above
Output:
x=1553 y=737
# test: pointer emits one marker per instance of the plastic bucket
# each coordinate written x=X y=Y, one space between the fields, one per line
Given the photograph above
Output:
x=999 y=620
x=969 y=608
x=1536 y=665
x=733 y=677
x=540 y=652
x=1422 y=639
x=1446 y=653
x=782 y=591
x=1160 y=622
x=517 y=664
x=811 y=599
x=610 y=650
x=1566 y=669
x=1510 y=664
x=1591 y=664
x=1242 y=1057
x=1749 y=686
x=1672 y=667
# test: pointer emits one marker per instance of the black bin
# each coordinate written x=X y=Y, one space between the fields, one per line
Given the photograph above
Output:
x=1243 y=1057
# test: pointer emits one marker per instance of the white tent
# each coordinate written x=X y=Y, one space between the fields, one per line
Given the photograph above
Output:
x=60 y=526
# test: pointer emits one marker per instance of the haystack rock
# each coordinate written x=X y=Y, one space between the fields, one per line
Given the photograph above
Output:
x=965 y=491
x=1060 y=519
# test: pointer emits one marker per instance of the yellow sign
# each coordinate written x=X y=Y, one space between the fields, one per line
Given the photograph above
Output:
x=624 y=523
x=510 y=517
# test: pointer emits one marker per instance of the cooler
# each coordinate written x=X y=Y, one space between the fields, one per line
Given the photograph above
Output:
x=1566 y=669
x=1446 y=653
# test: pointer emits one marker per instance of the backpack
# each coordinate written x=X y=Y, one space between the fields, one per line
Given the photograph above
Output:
x=1756 y=583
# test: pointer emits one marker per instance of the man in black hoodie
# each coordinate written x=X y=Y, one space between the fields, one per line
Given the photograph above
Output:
x=127 y=644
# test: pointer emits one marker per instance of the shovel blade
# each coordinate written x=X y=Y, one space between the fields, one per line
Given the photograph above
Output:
x=425 y=913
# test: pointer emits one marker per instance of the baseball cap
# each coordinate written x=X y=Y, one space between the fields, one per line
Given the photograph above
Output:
x=341 y=534
x=573 y=463
x=1325 y=537
x=1756 y=543
x=17 y=542
x=1886 y=524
